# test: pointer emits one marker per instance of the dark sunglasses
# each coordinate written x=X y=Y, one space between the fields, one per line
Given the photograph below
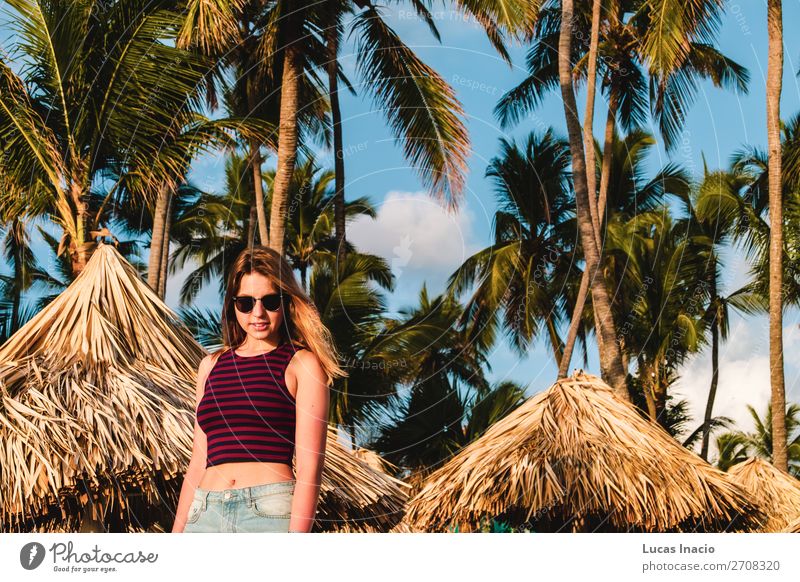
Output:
x=271 y=302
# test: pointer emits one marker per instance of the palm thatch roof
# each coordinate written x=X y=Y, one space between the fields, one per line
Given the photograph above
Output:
x=384 y=467
x=777 y=493
x=97 y=416
x=576 y=457
x=93 y=405
x=793 y=527
x=354 y=496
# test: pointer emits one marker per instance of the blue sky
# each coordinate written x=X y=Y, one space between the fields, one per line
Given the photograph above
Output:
x=424 y=244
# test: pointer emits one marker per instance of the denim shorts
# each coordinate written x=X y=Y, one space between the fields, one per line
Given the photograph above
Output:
x=261 y=508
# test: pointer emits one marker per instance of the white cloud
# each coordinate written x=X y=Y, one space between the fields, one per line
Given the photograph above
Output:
x=416 y=235
x=743 y=374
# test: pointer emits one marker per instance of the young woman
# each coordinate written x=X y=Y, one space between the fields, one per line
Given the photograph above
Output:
x=261 y=399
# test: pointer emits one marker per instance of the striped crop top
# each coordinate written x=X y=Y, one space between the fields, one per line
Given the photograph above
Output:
x=246 y=411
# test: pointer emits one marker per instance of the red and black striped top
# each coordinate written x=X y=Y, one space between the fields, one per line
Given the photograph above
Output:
x=246 y=412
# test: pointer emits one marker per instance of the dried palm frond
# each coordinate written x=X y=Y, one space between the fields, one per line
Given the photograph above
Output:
x=793 y=527
x=576 y=457
x=777 y=494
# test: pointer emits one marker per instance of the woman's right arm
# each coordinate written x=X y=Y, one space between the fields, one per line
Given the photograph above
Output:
x=197 y=465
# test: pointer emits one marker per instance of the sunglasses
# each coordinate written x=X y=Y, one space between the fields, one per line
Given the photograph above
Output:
x=245 y=304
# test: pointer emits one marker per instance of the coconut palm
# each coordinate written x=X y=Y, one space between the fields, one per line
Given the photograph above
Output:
x=311 y=215
x=610 y=356
x=757 y=233
x=774 y=81
x=91 y=90
x=420 y=106
x=522 y=275
x=736 y=446
x=659 y=273
x=394 y=89
x=712 y=213
x=628 y=40
x=211 y=230
x=448 y=402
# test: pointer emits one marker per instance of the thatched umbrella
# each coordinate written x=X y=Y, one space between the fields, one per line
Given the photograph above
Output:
x=387 y=468
x=576 y=457
x=793 y=527
x=355 y=497
x=97 y=416
x=94 y=417
x=777 y=493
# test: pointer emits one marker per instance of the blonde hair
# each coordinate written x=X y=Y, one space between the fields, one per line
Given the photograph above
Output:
x=301 y=320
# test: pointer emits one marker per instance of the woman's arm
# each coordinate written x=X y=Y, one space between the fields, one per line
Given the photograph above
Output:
x=197 y=464
x=312 y=399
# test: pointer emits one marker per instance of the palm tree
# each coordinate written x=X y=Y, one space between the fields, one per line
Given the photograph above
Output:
x=737 y=446
x=629 y=38
x=658 y=269
x=524 y=272
x=311 y=215
x=25 y=272
x=386 y=70
x=774 y=81
x=610 y=355
x=93 y=89
x=420 y=106
x=759 y=225
x=712 y=213
x=448 y=401
x=211 y=230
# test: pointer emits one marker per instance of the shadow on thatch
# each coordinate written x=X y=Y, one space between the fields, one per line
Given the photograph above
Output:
x=97 y=417
x=577 y=458
x=777 y=494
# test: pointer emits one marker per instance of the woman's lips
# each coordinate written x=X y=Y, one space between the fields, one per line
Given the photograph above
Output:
x=259 y=325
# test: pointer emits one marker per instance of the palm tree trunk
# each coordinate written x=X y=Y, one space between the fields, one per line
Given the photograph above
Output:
x=18 y=240
x=157 y=237
x=287 y=139
x=332 y=38
x=774 y=80
x=555 y=341
x=588 y=119
x=251 y=226
x=572 y=334
x=258 y=192
x=610 y=357
x=78 y=248
x=712 y=392
x=583 y=291
x=605 y=170
x=162 y=280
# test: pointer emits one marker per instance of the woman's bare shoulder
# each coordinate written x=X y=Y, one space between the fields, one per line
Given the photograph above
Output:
x=207 y=363
x=305 y=364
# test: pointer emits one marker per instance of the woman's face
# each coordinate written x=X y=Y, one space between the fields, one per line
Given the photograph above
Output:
x=259 y=324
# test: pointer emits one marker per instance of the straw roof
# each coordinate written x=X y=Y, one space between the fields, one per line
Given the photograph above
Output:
x=384 y=467
x=777 y=493
x=94 y=390
x=793 y=527
x=354 y=497
x=576 y=457
x=96 y=423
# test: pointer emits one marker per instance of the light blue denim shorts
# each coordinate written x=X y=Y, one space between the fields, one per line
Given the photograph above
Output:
x=261 y=508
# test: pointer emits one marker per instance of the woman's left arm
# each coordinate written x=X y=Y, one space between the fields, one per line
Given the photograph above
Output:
x=312 y=400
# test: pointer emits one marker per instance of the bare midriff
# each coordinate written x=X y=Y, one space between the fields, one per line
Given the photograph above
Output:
x=237 y=475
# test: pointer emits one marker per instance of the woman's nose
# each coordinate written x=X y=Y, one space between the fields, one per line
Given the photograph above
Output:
x=258 y=309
